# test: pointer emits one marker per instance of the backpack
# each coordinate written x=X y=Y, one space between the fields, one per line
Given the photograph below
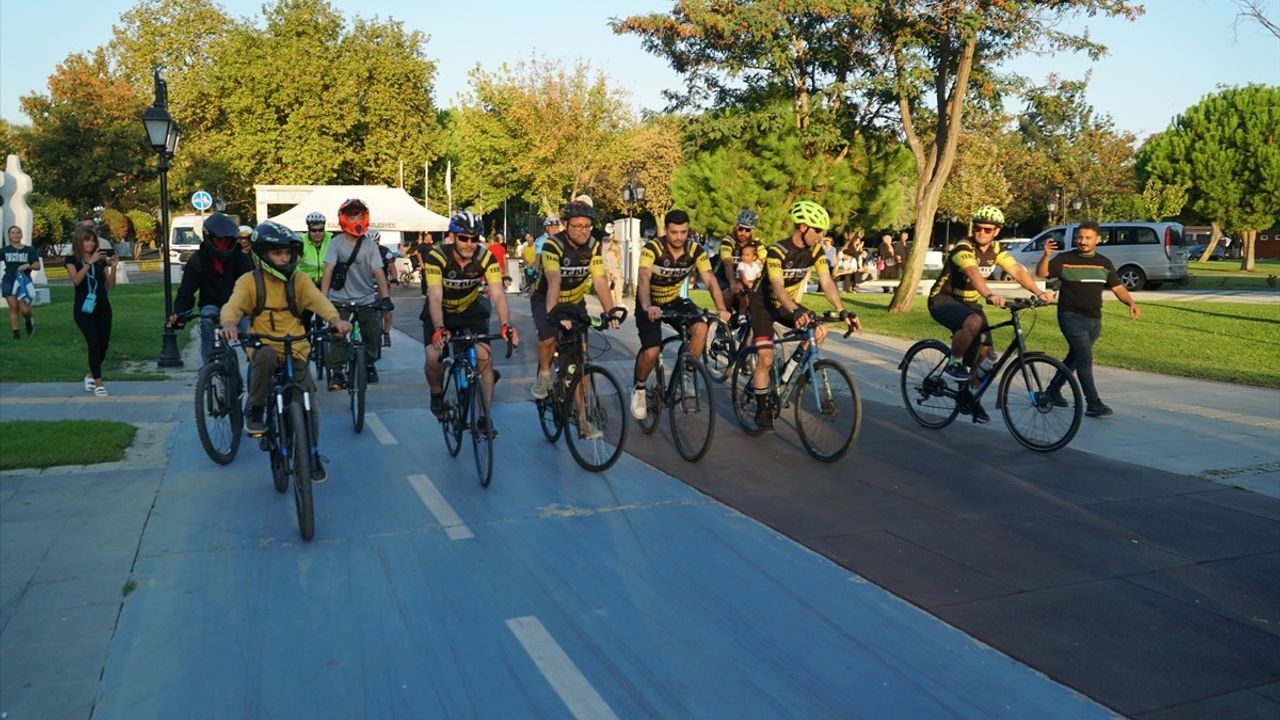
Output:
x=260 y=287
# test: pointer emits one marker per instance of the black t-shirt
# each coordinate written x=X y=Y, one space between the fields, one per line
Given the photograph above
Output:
x=1084 y=277
x=99 y=275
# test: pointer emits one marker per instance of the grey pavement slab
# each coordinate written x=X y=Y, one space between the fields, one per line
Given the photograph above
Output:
x=1239 y=705
x=1241 y=589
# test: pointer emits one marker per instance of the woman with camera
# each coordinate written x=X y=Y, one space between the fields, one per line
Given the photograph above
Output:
x=93 y=272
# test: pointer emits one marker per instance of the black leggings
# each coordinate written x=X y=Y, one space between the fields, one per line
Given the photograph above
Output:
x=96 y=329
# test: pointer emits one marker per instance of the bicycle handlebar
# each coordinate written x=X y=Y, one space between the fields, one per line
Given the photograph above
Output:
x=1018 y=304
x=466 y=336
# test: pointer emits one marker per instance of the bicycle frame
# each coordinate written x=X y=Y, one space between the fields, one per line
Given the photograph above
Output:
x=1017 y=348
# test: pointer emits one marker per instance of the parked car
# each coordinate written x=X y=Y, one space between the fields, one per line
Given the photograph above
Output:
x=1146 y=254
x=1012 y=245
x=1196 y=251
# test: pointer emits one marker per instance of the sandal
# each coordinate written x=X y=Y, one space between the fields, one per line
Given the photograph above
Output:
x=100 y=391
x=88 y=383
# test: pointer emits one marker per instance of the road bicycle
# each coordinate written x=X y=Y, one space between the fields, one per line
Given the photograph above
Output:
x=357 y=367
x=825 y=398
x=1035 y=417
x=291 y=449
x=465 y=405
x=585 y=401
x=686 y=395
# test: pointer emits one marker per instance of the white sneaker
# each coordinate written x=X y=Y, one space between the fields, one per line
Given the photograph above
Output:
x=88 y=383
x=542 y=385
x=639 y=408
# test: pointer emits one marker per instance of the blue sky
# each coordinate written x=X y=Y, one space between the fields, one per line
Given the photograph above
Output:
x=1178 y=52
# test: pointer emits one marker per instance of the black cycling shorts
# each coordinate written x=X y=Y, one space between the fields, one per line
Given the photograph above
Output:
x=474 y=318
x=764 y=314
x=651 y=332
x=547 y=329
x=952 y=313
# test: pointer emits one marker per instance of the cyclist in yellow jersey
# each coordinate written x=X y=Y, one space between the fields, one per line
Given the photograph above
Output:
x=955 y=300
x=665 y=263
x=453 y=274
x=570 y=264
x=787 y=265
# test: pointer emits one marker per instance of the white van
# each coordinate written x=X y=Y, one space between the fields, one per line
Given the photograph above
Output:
x=185 y=234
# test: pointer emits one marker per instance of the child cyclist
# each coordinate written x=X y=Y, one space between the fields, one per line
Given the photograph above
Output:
x=274 y=296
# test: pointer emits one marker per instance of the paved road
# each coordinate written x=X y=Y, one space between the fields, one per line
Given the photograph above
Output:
x=1015 y=581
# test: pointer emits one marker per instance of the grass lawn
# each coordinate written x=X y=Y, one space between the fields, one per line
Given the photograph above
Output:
x=1227 y=275
x=31 y=444
x=57 y=351
x=1227 y=342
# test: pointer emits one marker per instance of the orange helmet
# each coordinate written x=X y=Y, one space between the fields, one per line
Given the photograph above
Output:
x=353 y=217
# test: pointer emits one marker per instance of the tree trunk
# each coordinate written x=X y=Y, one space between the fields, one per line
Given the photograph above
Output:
x=1249 y=238
x=911 y=271
x=1215 y=234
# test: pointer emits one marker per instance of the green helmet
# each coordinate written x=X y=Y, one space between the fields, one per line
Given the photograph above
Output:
x=989 y=214
x=812 y=214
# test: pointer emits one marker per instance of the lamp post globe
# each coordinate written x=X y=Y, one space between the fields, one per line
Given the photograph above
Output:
x=162 y=136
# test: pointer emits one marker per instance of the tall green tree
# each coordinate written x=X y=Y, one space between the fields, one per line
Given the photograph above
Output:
x=1228 y=147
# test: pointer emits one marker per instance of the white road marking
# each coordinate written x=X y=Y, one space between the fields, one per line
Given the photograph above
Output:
x=379 y=430
x=565 y=678
x=440 y=508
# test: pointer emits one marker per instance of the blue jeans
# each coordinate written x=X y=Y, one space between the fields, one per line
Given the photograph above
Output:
x=1081 y=331
x=209 y=324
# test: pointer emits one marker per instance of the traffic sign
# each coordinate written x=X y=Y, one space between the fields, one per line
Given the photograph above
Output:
x=201 y=200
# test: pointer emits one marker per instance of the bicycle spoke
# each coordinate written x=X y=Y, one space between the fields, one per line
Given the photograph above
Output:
x=828 y=411
x=1028 y=407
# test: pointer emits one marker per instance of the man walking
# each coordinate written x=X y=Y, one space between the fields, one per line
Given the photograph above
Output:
x=1084 y=273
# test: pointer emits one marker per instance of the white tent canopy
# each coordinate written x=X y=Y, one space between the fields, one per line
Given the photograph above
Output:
x=389 y=209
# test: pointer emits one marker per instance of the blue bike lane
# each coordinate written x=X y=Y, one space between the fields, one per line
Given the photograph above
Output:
x=553 y=593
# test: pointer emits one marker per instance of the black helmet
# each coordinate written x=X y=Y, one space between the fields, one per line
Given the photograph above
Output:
x=577 y=208
x=221 y=227
x=270 y=235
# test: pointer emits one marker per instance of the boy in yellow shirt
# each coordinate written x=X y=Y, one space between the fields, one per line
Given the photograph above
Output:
x=286 y=295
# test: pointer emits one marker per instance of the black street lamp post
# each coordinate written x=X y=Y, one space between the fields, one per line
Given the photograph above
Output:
x=632 y=193
x=162 y=135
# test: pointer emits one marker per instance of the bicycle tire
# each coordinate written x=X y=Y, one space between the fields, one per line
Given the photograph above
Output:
x=551 y=410
x=741 y=393
x=320 y=356
x=720 y=353
x=299 y=457
x=654 y=389
x=692 y=411
x=219 y=421
x=923 y=389
x=454 y=413
x=605 y=414
x=481 y=437
x=826 y=397
x=1025 y=404
x=273 y=442
x=357 y=385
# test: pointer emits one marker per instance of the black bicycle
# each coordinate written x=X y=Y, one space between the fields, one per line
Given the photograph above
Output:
x=358 y=362
x=219 y=404
x=725 y=343
x=1040 y=420
x=584 y=396
x=320 y=351
x=288 y=442
x=687 y=395
x=465 y=405
x=828 y=407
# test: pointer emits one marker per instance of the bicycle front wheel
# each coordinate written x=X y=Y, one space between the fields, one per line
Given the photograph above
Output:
x=653 y=389
x=741 y=393
x=1028 y=407
x=692 y=411
x=455 y=413
x=481 y=434
x=218 y=413
x=828 y=411
x=924 y=392
x=273 y=442
x=596 y=419
x=357 y=383
x=320 y=356
x=298 y=454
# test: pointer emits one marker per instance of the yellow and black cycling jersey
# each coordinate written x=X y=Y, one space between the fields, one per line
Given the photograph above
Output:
x=576 y=266
x=461 y=283
x=667 y=272
x=953 y=280
x=792 y=264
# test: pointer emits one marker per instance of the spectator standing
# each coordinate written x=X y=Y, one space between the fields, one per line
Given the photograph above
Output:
x=889 y=258
x=1083 y=273
x=93 y=273
x=20 y=260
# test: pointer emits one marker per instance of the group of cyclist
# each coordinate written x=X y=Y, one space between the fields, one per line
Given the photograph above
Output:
x=286 y=282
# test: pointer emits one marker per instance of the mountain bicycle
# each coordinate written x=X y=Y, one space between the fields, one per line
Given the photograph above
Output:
x=828 y=407
x=1034 y=416
x=687 y=396
x=219 y=404
x=357 y=367
x=585 y=401
x=465 y=405
x=288 y=441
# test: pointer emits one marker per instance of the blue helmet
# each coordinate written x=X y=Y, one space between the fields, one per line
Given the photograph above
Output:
x=747 y=219
x=465 y=222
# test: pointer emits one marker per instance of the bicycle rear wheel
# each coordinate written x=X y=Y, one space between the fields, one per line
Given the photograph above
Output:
x=692 y=411
x=597 y=414
x=218 y=413
x=455 y=413
x=654 y=387
x=481 y=434
x=1028 y=409
x=357 y=383
x=828 y=411
x=741 y=393
x=924 y=392
x=299 y=464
